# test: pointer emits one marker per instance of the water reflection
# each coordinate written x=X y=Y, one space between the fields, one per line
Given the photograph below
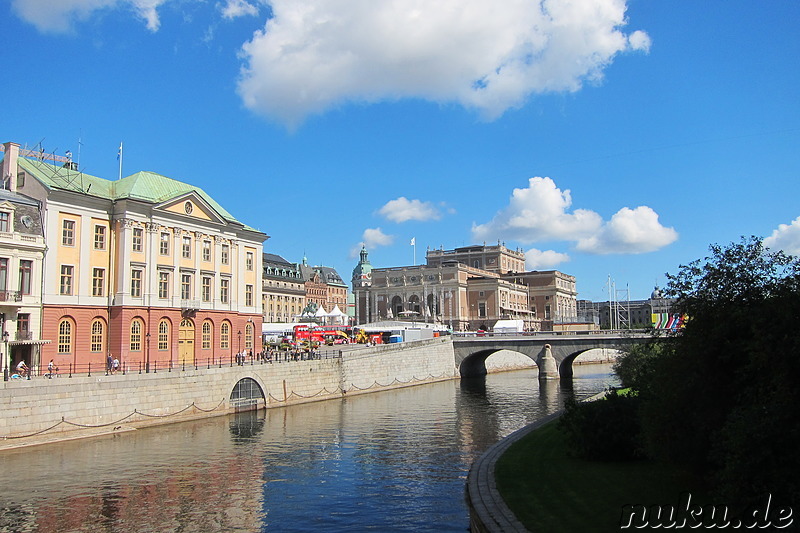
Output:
x=390 y=461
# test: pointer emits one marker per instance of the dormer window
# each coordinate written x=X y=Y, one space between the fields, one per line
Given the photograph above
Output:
x=5 y=221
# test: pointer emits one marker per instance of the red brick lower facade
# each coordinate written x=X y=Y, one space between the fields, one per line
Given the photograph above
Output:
x=142 y=338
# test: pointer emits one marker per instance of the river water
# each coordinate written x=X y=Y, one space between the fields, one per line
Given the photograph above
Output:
x=387 y=461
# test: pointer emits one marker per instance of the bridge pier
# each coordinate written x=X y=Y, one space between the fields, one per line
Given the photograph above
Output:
x=548 y=368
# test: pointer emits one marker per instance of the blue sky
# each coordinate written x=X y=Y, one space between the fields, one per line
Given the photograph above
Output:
x=602 y=137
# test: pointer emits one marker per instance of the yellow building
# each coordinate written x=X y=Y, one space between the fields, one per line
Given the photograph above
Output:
x=146 y=269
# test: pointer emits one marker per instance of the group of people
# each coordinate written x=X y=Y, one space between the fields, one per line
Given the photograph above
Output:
x=24 y=371
x=112 y=364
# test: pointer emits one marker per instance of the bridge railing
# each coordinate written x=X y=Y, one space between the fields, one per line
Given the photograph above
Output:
x=602 y=332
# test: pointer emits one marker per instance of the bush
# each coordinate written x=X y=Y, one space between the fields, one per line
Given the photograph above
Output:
x=603 y=430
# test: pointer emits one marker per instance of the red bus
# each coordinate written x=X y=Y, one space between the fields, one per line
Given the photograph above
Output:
x=322 y=334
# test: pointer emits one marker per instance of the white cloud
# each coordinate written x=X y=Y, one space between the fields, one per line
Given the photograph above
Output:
x=540 y=212
x=630 y=231
x=238 y=8
x=59 y=15
x=402 y=210
x=786 y=238
x=374 y=237
x=313 y=55
x=543 y=259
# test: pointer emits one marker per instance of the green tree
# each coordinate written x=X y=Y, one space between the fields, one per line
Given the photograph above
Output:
x=723 y=398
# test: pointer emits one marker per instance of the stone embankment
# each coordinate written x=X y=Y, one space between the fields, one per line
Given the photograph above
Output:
x=43 y=410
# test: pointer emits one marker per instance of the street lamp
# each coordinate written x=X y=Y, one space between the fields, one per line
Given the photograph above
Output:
x=5 y=356
x=147 y=354
x=240 y=342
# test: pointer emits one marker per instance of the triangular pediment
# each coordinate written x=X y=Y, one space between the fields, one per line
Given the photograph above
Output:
x=191 y=205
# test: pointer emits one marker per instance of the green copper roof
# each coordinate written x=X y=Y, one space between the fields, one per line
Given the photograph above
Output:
x=145 y=186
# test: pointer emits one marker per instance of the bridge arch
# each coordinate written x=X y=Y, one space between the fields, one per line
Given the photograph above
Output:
x=247 y=395
x=475 y=364
x=565 y=369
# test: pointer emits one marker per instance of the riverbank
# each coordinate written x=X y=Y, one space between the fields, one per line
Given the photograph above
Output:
x=41 y=411
x=529 y=482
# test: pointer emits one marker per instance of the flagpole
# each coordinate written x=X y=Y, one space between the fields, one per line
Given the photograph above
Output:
x=414 y=246
x=119 y=156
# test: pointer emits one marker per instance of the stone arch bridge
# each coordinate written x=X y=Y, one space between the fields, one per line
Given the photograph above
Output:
x=552 y=352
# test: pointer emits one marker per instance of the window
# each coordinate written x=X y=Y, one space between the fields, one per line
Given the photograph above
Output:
x=482 y=309
x=23 y=325
x=3 y=273
x=98 y=281
x=136 y=335
x=163 y=335
x=206 y=289
x=163 y=284
x=99 y=237
x=186 y=286
x=136 y=283
x=224 y=254
x=248 y=336
x=138 y=236
x=206 y=335
x=248 y=295
x=206 y=250
x=65 y=336
x=225 y=336
x=163 y=243
x=66 y=280
x=223 y=291
x=68 y=233
x=5 y=218
x=25 y=273
x=249 y=261
x=96 y=341
x=186 y=247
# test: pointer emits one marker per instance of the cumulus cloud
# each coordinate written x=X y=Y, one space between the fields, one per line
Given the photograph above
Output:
x=59 y=15
x=630 y=231
x=374 y=237
x=541 y=212
x=313 y=55
x=238 y=8
x=786 y=238
x=402 y=210
x=543 y=259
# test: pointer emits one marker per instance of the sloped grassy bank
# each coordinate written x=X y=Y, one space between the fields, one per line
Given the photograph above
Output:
x=548 y=490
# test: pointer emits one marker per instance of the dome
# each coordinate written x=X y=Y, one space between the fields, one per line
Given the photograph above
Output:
x=363 y=269
x=656 y=294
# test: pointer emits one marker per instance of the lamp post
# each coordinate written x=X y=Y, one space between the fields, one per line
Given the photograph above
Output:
x=5 y=356
x=147 y=354
x=240 y=342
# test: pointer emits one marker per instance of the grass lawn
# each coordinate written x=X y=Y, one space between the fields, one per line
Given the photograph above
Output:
x=550 y=491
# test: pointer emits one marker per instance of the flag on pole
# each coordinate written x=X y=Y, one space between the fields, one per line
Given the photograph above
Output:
x=413 y=241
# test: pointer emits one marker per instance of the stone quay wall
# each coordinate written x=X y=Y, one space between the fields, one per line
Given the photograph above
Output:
x=41 y=409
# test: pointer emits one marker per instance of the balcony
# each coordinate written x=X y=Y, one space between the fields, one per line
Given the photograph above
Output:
x=10 y=296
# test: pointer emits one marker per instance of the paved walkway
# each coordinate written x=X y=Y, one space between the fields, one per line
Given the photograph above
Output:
x=487 y=509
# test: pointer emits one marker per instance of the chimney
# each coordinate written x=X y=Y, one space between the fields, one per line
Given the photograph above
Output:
x=8 y=168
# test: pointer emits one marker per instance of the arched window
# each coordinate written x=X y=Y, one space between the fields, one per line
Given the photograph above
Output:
x=136 y=335
x=225 y=336
x=65 y=336
x=248 y=336
x=206 y=338
x=163 y=335
x=97 y=340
